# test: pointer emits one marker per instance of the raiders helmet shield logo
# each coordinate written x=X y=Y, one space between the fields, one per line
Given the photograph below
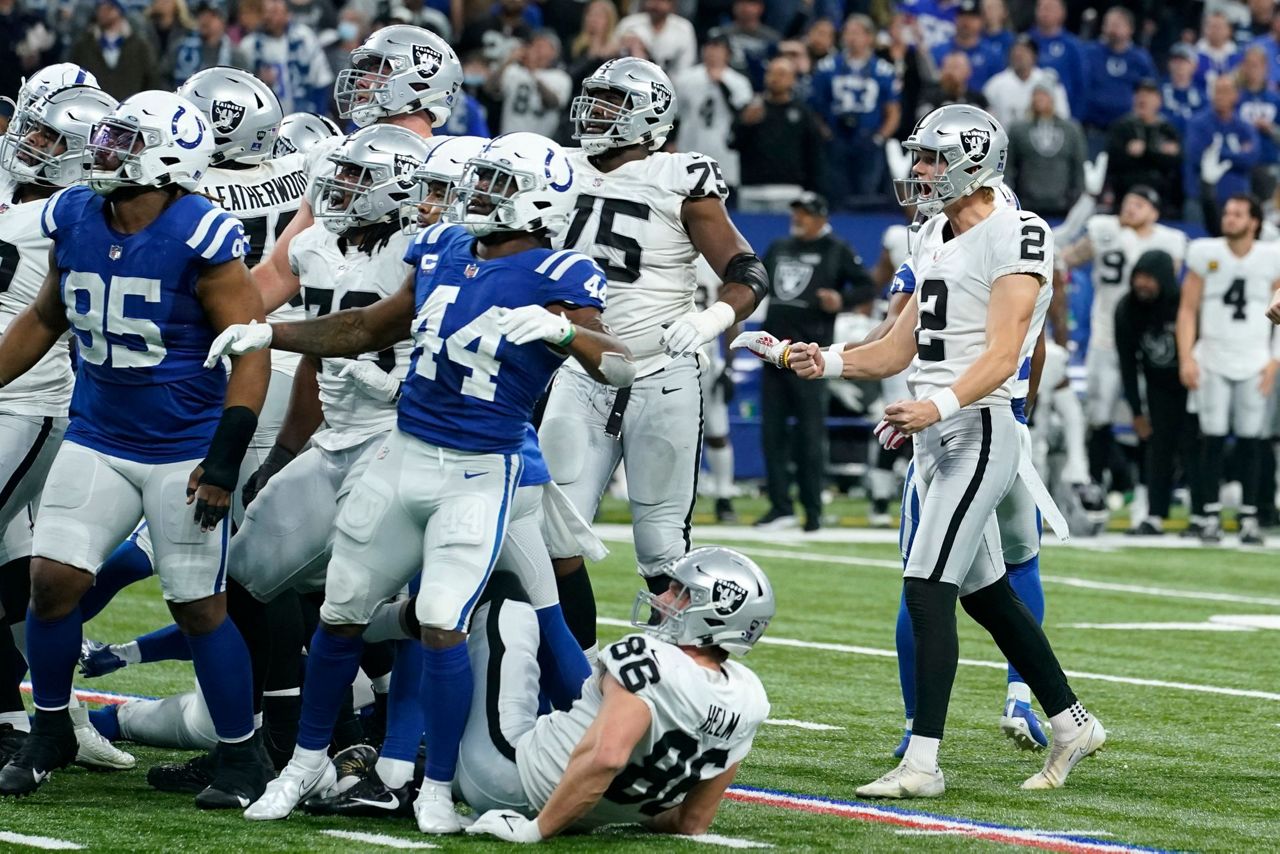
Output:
x=405 y=165
x=427 y=59
x=226 y=116
x=976 y=142
x=661 y=96
x=727 y=597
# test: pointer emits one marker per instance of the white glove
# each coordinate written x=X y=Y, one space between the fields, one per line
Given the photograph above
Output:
x=238 y=339
x=696 y=328
x=532 y=323
x=1212 y=166
x=764 y=345
x=507 y=825
x=367 y=376
x=899 y=160
x=888 y=436
x=1095 y=174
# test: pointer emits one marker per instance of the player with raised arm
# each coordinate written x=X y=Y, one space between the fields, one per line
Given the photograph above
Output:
x=981 y=272
x=1226 y=356
x=436 y=496
x=144 y=272
x=674 y=690
x=645 y=216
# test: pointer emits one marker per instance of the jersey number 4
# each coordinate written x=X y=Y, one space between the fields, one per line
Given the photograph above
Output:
x=1235 y=298
x=482 y=382
x=96 y=311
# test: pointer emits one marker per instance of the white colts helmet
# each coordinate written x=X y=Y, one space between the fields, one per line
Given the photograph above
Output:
x=152 y=139
x=642 y=109
x=372 y=177
x=518 y=182
x=53 y=78
x=970 y=149
x=242 y=110
x=399 y=69
x=47 y=139
x=438 y=174
x=300 y=131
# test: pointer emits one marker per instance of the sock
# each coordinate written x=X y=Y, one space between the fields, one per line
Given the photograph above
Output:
x=131 y=653
x=910 y=722
x=932 y=605
x=106 y=722
x=906 y=644
x=1212 y=451
x=12 y=668
x=1071 y=418
x=922 y=752
x=1068 y=722
x=54 y=649
x=221 y=663
x=564 y=667
x=331 y=667
x=1019 y=691
x=308 y=758
x=447 y=685
x=720 y=461
x=1248 y=454
x=250 y=619
x=377 y=659
x=1024 y=578
x=394 y=773
x=593 y=655
x=17 y=720
x=380 y=684
x=15 y=590
x=167 y=644
x=348 y=730
x=578 y=601
x=124 y=566
x=404 y=707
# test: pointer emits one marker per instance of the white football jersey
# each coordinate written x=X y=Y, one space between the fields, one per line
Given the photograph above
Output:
x=953 y=286
x=629 y=220
x=332 y=281
x=1235 y=335
x=707 y=115
x=1116 y=249
x=703 y=721
x=45 y=390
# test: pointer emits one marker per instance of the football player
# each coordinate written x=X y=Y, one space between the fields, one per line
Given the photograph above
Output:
x=144 y=272
x=44 y=82
x=674 y=688
x=717 y=392
x=645 y=216
x=1225 y=355
x=981 y=271
x=300 y=132
x=436 y=495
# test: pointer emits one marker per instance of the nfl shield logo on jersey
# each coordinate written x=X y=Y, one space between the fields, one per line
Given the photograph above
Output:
x=114 y=253
x=977 y=142
x=728 y=597
x=470 y=271
x=226 y=116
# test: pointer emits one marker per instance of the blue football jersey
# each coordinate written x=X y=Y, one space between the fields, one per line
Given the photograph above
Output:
x=142 y=391
x=469 y=388
x=535 y=472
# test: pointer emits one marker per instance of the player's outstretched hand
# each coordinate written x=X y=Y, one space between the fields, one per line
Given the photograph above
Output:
x=765 y=346
x=212 y=502
x=808 y=361
x=909 y=417
x=507 y=825
x=238 y=339
x=1273 y=310
x=1095 y=174
x=368 y=377
x=534 y=323
x=889 y=437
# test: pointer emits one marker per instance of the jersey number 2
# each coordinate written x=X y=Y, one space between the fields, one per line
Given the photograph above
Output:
x=933 y=318
x=482 y=361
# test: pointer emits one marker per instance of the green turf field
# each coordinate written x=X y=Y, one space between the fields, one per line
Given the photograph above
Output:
x=1189 y=764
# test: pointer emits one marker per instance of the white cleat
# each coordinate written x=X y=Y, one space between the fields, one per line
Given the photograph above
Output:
x=1064 y=755
x=294 y=785
x=434 y=809
x=95 y=751
x=905 y=781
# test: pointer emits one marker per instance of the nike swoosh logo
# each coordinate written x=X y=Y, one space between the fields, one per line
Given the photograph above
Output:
x=944 y=442
x=390 y=803
x=470 y=474
x=510 y=826
x=670 y=390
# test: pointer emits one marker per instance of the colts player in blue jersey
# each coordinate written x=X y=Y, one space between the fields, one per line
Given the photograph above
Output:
x=493 y=312
x=144 y=273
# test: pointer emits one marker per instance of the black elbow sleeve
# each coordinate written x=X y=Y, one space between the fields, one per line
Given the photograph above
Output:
x=747 y=269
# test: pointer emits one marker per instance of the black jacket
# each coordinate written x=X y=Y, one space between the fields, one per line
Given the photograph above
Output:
x=797 y=270
x=1145 y=330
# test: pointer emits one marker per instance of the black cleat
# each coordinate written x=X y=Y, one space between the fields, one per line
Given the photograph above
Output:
x=725 y=514
x=354 y=764
x=50 y=746
x=11 y=741
x=241 y=773
x=369 y=798
x=183 y=778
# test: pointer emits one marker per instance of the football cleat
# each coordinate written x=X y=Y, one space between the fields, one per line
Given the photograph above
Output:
x=906 y=781
x=241 y=773
x=97 y=659
x=1250 y=533
x=725 y=514
x=294 y=785
x=184 y=778
x=901 y=750
x=95 y=751
x=776 y=520
x=1019 y=722
x=1149 y=527
x=1195 y=525
x=354 y=764
x=50 y=745
x=368 y=798
x=434 y=809
x=1065 y=754
x=11 y=741
x=1211 y=531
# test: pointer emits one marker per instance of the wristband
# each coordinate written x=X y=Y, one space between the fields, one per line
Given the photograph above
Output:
x=724 y=315
x=946 y=402
x=230 y=441
x=568 y=337
x=833 y=362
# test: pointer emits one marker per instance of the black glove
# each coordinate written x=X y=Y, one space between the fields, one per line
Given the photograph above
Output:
x=277 y=458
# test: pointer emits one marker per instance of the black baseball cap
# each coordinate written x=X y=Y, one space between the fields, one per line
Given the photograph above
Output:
x=1145 y=191
x=1182 y=50
x=969 y=7
x=811 y=202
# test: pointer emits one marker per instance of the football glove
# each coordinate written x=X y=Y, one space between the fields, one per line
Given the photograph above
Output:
x=765 y=346
x=533 y=323
x=277 y=458
x=238 y=339
x=1095 y=174
x=695 y=328
x=367 y=377
x=888 y=436
x=507 y=825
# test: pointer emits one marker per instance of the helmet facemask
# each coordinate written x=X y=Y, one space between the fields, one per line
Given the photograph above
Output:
x=343 y=199
x=361 y=89
x=940 y=184
x=427 y=201
x=32 y=152
x=113 y=154
x=604 y=117
x=483 y=200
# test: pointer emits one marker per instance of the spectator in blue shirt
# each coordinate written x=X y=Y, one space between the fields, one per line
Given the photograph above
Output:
x=857 y=95
x=1270 y=43
x=985 y=56
x=1060 y=51
x=1237 y=147
x=937 y=19
x=1183 y=95
x=1260 y=106
x=1217 y=51
x=1114 y=67
x=995 y=25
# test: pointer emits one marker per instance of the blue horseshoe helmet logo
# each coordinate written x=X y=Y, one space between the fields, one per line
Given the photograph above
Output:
x=182 y=111
x=559 y=188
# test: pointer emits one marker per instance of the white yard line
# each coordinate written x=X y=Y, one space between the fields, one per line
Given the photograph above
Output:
x=803 y=724
x=1000 y=665
x=45 y=842
x=378 y=839
x=1162 y=627
x=725 y=841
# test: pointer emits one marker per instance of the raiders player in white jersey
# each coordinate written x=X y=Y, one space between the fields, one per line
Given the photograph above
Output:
x=1114 y=243
x=46 y=81
x=645 y=216
x=672 y=689
x=717 y=389
x=1225 y=355
x=975 y=304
